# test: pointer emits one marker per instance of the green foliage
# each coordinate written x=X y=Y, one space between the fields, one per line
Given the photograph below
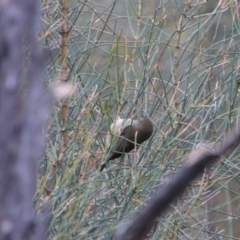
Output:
x=177 y=62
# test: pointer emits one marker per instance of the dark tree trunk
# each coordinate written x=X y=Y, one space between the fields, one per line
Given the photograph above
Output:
x=24 y=108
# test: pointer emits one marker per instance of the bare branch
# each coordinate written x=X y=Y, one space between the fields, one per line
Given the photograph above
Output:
x=141 y=224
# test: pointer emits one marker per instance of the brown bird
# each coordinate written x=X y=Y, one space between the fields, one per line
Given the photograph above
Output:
x=135 y=131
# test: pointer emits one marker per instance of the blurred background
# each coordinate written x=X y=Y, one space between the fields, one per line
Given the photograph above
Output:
x=178 y=62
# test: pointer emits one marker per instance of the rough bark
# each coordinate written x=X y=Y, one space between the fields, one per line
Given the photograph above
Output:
x=24 y=108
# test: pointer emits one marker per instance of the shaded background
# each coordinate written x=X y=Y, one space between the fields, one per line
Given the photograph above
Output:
x=179 y=63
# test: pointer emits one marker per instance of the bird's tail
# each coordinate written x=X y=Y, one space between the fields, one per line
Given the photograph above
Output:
x=101 y=167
